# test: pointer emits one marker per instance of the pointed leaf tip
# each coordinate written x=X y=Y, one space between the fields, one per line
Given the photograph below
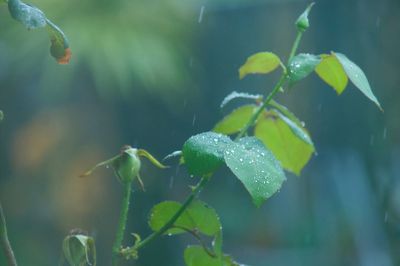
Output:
x=151 y=158
x=302 y=22
x=357 y=77
x=256 y=167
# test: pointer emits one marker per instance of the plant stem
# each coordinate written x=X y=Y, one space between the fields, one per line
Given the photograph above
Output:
x=195 y=192
x=4 y=242
x=122 y=224
x=274 y=91
x=295 y=45
x=255 y=116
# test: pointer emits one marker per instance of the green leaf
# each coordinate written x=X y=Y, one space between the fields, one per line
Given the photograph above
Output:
x=197 y=256
x=205 y=219
x=302 y=22
x=357 y=77
x=301 y=66
x=161 y=213
x=331 y=71
x=236 y=120
x=259 y=63
x=256 y=167
x=289 y=142
x=204 y=153
x=30 y=16
x=198 y=216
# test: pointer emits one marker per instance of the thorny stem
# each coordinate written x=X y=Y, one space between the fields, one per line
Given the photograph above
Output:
x=4 y=242
x=274 y=91
x=122 y=224
x=195 y=192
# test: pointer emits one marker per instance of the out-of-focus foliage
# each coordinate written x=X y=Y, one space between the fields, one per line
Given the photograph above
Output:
x=124 y=47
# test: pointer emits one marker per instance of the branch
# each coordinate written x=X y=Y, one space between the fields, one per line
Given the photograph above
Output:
x=4 y=242
x=197 y=189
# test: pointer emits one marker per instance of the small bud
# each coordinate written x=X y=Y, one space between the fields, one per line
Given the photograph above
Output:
x=127 y=165
x=79 y=250
x=302 y=22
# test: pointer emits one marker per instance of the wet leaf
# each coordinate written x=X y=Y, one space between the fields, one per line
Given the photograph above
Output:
x=30 y=16
x=331 y=71
x=357 y=77
x=236 y=120
x=240 y=95
x=198 y=216
x=290 y=144
x=259 y=63
x=256 y=167
x=301 y=66
x=204 y=153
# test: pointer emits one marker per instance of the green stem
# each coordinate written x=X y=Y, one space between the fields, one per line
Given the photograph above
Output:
x=295 y=45
x=274 y=91
x=122 y=224
x=259 y=110
x=4 y=242
x=195 y=192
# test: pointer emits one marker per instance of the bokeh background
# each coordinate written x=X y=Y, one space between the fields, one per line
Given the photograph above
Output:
x=153 y=73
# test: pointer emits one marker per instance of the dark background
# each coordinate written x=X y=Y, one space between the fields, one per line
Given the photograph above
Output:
x=153 y=73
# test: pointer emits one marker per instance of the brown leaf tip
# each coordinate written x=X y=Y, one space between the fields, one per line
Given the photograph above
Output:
x=65 y=59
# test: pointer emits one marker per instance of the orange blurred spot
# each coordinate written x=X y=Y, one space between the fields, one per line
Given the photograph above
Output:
x=65 y=59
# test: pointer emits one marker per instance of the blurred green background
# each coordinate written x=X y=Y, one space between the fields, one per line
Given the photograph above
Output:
x=153 y=73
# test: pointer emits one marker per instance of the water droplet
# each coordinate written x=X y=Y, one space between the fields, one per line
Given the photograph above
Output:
x=384 y=133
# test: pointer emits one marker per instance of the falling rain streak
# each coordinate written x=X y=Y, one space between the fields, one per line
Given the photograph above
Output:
x=201 y=15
